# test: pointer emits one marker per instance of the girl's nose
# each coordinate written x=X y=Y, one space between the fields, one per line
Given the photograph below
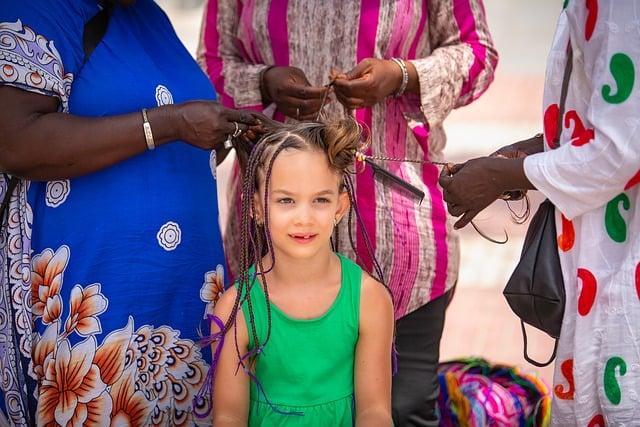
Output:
x=304 y=215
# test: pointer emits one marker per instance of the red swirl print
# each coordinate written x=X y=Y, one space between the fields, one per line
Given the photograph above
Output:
x=633 y=181
x=592 y=18
x=588 y=292
x=567 y=238
x=580 y=135
x=551 y=124
x=638 y=280
x=567 y=372
x=597 y=421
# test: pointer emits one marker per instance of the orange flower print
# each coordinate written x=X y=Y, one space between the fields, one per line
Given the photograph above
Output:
x=86 y=305
x=212 y=288
x=44 y=345
x=111 y=356
x=71 y=392
x=130 y=407
x=46 y=281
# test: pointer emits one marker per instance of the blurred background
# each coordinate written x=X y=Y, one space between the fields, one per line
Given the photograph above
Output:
x=479 y=321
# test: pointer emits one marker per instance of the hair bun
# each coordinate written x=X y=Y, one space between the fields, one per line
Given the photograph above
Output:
x=342 y=138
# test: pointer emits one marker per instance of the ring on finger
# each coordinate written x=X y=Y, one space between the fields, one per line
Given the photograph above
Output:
x=298 y=113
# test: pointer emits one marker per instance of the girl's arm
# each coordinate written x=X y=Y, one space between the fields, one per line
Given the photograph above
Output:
x=231 y=390
x=373 y=356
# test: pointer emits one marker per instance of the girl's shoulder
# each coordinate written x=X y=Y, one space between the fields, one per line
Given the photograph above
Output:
x=374 y=295
x=224 y=309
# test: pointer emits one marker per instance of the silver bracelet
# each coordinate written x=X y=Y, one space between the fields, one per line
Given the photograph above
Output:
x=405 y=76
x=148 y=135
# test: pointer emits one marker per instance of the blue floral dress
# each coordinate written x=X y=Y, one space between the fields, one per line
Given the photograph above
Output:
x=106 y=277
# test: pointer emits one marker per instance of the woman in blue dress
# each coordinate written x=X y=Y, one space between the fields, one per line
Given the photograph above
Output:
x=110 y=250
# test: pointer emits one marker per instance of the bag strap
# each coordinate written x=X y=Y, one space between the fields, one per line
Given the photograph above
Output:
x=95 y=29
x=563 y=99
x=526 y=354
x=563 y=92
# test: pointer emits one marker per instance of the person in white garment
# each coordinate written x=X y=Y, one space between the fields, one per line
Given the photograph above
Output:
x=591 y=175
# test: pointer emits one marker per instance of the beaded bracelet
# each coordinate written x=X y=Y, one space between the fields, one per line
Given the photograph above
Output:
x=405 y=76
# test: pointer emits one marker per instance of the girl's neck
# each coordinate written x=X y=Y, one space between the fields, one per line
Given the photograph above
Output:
x=294 y=271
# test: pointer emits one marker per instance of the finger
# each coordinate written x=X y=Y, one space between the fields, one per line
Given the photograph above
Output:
x=336 y=74
x=351 y=102
x=466 y=219
x=306 y=106
x=309 y=117
x=240 y=116
x=291 y=111
x=358 y=71
x=455 y=210
x=303 y=91
x=445 y=178
x=230 y=127
x=454 y=168
x=353 y=87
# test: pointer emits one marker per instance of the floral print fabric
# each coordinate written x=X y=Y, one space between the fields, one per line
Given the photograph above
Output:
x=106 y=277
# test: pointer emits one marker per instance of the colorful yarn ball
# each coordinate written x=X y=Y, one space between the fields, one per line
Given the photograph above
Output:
x=475 y=393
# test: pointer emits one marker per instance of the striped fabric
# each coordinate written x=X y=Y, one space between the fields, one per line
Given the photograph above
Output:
x=450 y=46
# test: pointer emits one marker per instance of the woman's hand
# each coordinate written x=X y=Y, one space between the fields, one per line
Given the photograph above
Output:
x=470 y=187
x=292 y=93
x=207 y=124
x=368 y=83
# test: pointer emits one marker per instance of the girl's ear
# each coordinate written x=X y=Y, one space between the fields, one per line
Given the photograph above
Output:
x=343 y=206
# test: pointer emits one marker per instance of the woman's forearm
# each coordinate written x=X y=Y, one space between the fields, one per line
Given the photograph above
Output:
x=39 y=144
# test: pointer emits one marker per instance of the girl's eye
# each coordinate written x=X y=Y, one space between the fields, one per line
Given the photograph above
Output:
x=285 y=200
x=323 y=200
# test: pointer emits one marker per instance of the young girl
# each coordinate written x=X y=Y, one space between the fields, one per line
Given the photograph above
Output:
x=309 y=334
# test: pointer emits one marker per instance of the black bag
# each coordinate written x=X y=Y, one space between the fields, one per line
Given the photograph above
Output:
x=535 y=291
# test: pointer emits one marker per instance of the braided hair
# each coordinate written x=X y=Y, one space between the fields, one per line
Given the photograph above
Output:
x=340 y=141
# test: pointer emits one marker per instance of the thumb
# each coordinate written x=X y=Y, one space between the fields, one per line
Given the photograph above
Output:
x=358 y=71
x=453 y=168
x=299 y=76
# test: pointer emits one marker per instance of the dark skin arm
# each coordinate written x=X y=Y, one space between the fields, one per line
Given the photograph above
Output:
x=39 y=143
x=470 y=187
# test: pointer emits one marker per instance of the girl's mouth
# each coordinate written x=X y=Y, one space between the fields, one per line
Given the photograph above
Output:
x=303 y=238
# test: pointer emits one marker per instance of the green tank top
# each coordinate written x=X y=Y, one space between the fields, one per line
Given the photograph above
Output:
x=307 y=365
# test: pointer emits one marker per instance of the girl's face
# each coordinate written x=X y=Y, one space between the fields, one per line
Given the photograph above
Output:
x=304 y=200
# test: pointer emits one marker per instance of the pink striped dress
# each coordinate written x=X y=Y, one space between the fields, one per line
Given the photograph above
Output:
x=447 y=41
